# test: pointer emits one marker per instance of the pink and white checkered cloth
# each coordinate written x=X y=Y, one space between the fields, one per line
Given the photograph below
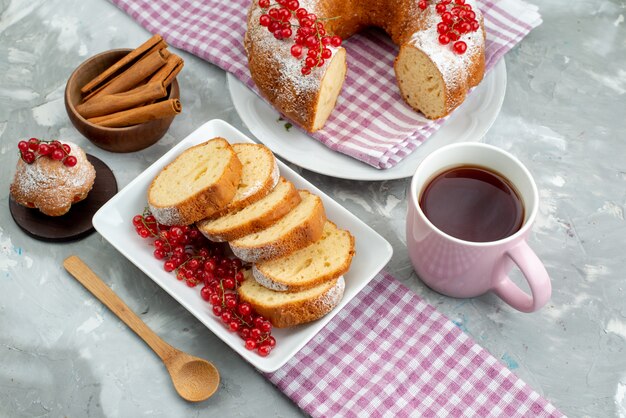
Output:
x=390 y=354
x=371 y=121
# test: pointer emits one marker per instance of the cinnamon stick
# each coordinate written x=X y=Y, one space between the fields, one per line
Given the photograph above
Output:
x=156 y=42
x=131 y=78
x=166 y=74
x=139 y=115
x=112 y=103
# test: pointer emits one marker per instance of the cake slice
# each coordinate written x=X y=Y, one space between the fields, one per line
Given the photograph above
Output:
x=255 y=217
x=259 y=175
x=302 y=226
x=324 y=260
x=197 y=184
x=284 y=309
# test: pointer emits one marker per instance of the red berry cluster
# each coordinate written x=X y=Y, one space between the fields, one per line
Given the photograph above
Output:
x=457 y=19
x=310 y=35
x=196 y=260
x=34 y=148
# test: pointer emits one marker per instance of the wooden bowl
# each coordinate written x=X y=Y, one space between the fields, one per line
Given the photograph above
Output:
x=128 y=139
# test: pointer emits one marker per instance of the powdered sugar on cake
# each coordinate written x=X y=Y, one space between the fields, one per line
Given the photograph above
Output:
x=267 y=282
x=255 y=254
x=452 y=66
x=167 y=215
x=52 y=186
x=331 y=298
x=289 y=67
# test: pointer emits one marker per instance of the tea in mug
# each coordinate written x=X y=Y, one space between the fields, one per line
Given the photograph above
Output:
x=473 y=203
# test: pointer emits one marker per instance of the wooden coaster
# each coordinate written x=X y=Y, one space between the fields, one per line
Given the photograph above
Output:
x=76 y=223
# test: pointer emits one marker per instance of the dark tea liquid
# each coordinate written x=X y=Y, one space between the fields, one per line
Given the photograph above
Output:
x=473 y=204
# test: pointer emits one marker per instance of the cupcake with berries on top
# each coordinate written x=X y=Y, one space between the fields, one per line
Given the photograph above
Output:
x=51 y=176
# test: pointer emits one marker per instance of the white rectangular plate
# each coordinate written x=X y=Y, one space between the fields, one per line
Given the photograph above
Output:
x=114 y=222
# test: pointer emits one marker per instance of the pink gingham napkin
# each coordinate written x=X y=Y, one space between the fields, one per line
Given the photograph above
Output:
x=390 y=354
x=371 y=121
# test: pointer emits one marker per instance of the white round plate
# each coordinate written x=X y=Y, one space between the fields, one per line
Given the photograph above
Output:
x=469 y=122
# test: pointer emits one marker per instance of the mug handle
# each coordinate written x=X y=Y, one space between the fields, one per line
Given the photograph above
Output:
x=535 y=274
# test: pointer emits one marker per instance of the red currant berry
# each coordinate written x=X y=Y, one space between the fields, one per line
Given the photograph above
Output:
x=266 y=326
x=137 y=220
x=66 y=148
x=293 y=5
x=310 y=62
x=209 y=265
x=231 y=303
x=159 y=254
x=320 y=63
x=226 y=317
x=57 y=154
x=440 y=8
x=459 y=1
x=311 y=41
x=22 y=146
x=442 y=28
x=444 y=39
x=306 y=70
x=29 y=157
x=284 y=14
x=70 y=161
x=286 y=33
x=258 y=321
x=474 y=25
x=215 y=299
x=233 y=325
x=296 y=50
x=271 y=341
x=301 y=13
x=453 y=36
x=205 y=293
x=169 y=266
x=326 y=40
x=470 y=15
x=335 y=41
x=264 y=4
x=143 y=233
x=273 y=13
x=264 y=350
x=33 y=144
x=244 y=333
x=217 y=310
x=244 y=309
x=229 y=283
x=264 y=20
x=255 y=333
x=460 y=47
x=239 y=277
x=447 y=18
x=422 y=4
x=193 y=264
x=250 y=344
x=326 y=53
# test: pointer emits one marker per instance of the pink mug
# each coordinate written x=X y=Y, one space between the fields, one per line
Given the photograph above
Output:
x=465 y=269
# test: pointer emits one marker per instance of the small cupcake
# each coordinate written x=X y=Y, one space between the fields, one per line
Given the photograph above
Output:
x=51 y=176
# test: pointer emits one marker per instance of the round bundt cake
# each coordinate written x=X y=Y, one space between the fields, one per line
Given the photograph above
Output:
x=433 y=78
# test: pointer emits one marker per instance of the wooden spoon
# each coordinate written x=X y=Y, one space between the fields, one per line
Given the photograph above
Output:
x=195 y=379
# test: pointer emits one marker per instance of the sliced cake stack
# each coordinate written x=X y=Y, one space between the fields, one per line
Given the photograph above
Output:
x=236 y=195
